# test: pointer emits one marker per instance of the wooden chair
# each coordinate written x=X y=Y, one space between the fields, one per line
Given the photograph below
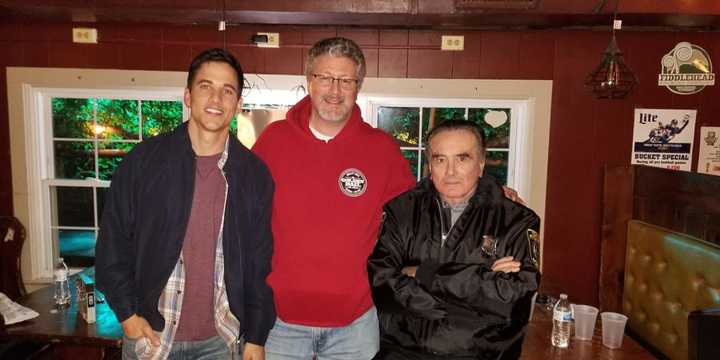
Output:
x=12 y=238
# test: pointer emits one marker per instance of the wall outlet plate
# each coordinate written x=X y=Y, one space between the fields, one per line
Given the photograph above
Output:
x=273 y=40
x=453 y=42
x=84 y=35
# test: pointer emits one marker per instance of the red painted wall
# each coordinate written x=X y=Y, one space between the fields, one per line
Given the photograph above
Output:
x=586 y=134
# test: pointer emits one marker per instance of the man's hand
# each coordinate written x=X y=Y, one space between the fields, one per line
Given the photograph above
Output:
x=136 y=327
x=253 y=352
x=506 y=265
x=511 y=194
x=409 y=271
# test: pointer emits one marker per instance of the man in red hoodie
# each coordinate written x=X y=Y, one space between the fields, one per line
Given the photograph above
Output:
x=333 y=173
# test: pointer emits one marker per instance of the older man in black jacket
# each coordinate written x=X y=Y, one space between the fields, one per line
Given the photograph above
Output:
x=456 y=264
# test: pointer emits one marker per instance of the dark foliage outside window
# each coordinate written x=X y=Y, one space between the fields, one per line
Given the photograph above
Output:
x=91 y=136
x=410 y=126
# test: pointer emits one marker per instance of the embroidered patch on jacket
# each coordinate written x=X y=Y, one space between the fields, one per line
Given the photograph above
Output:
x=489 y=245
x=352 y=182
x=534 y=246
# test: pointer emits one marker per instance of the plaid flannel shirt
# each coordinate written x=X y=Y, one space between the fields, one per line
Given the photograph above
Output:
x=171 y=299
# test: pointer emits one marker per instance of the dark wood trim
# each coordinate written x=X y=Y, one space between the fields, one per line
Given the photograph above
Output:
x=618 y=186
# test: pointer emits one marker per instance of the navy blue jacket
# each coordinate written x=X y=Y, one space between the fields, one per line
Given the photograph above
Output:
x=144 y=221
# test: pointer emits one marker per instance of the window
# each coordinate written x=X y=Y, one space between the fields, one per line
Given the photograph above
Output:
x=90 y=137
x=410 y=120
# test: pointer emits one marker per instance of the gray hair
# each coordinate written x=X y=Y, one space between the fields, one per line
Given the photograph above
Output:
x=463 y=125
x=337 y=47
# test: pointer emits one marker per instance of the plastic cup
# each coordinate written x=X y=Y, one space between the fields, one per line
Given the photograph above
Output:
x=613 y=329
x=585 y=318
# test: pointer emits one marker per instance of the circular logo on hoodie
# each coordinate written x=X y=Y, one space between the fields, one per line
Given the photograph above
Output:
x=352 y=182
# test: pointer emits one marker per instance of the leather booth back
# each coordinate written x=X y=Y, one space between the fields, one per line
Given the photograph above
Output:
x=667 y=275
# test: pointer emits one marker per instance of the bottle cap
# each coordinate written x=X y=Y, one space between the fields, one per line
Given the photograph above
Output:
x=563 y=296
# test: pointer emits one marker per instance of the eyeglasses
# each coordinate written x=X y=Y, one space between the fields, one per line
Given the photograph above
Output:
x=327 y=81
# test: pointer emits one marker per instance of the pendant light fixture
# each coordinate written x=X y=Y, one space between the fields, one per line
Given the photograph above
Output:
x=612 y=79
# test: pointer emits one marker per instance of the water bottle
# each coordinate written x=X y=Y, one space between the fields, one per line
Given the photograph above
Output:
x=561 y=322
x=62 y=286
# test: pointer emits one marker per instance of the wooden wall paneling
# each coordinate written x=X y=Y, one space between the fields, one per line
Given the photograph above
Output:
x=371 y=61
x=642 y=53
x=176 y=57
x=364 y=38
x=426 y=39
x=174 y=33
x=9 y=31
x=500 y=57
x=613 y=131
x=466 y=63
x=27 y=32
x=712 y=231
x=105 y=55
x=242 y=36
x=140 y=32
x=14 y=53
x=617 y=210
x=58 y=32
x=6 y=201
x=313 y=35
x=394 y=38
x=251 y=58
x=141 y=56
x=536 y=54
x=68 y=55
x=289 y=35
x=574 y=176
x=429 y=64
x=36 y=54
x=206 y=34
x=393 y=63
x=283 y=61
x=669 y=6
x=678 y=200
x=303 y=57
x=694 y=221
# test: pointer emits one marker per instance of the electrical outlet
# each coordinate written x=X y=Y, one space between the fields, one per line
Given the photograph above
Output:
x=84 y=35
x=453 y=42
x=273 y=40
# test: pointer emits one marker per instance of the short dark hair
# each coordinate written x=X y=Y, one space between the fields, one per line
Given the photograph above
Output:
x=455 y=125
x=338 y=47
x=215 y=55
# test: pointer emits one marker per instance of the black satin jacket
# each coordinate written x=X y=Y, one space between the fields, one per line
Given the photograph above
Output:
x=455 y=305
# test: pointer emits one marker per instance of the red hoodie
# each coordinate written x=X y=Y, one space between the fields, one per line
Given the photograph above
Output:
x=326 y=214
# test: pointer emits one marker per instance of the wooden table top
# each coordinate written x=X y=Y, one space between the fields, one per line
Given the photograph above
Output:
x=537 y=343
x=66 y=325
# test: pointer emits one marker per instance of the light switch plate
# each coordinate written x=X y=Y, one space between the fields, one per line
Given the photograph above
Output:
x=84 y=35
x=453 y=42
x=273 y=40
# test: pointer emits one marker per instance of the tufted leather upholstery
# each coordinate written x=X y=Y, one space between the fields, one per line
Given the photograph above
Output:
x=667 y=275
